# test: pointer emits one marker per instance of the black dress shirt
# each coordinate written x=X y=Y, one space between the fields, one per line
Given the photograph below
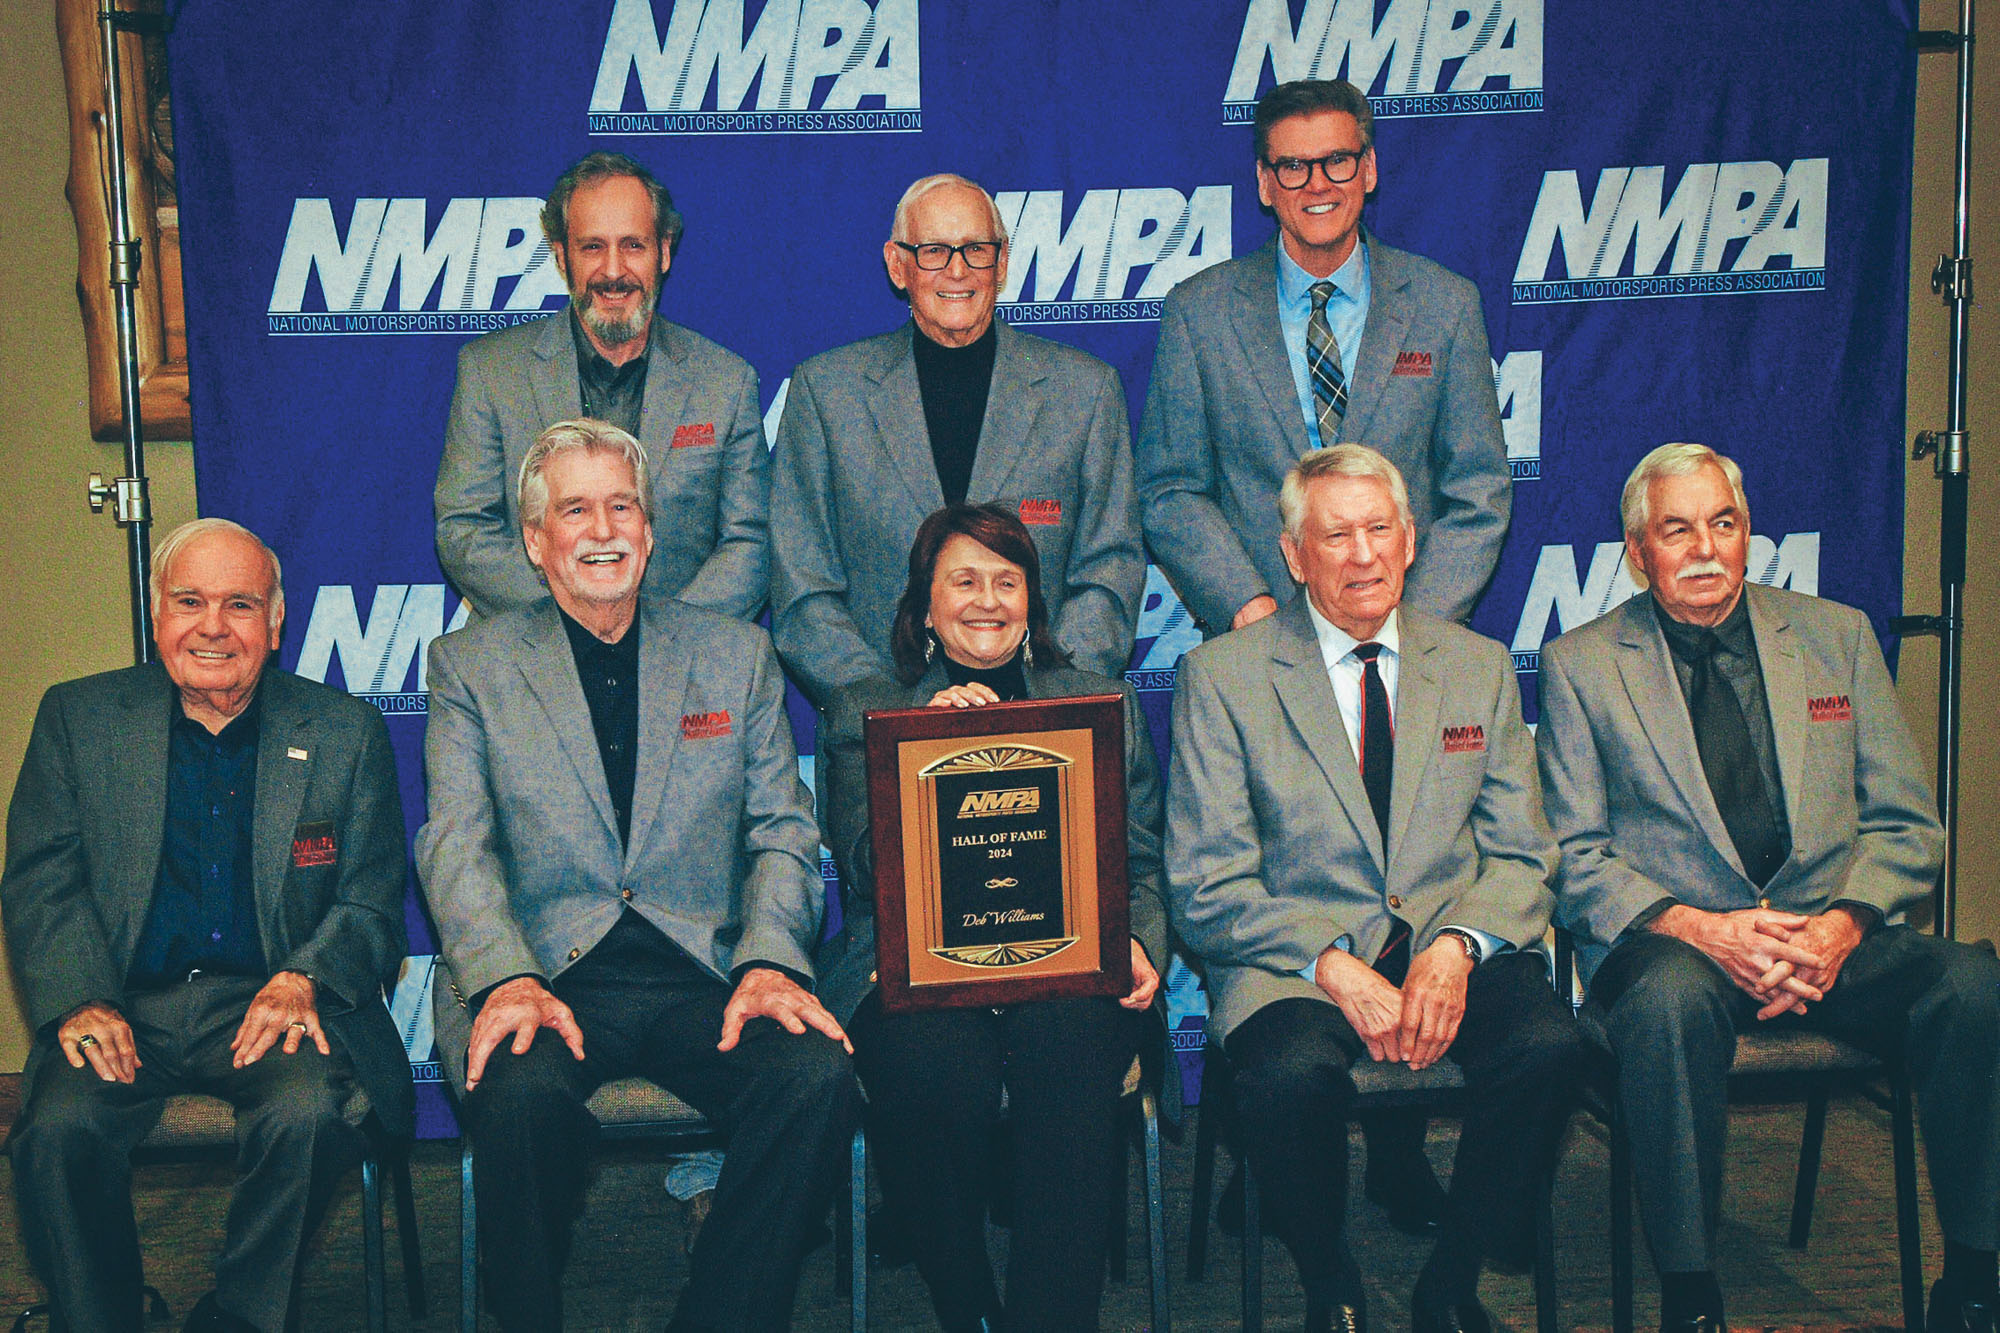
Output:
x=204 y=911
x=616 y=394
x=609 y=673
x=1736 y=659
x=954 y=382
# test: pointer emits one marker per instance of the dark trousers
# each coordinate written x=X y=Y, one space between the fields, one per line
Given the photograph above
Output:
x=297 y=1134
x=1672 y=1016
x=1519 y=1049
x=788 y=1104
x=934 y=1083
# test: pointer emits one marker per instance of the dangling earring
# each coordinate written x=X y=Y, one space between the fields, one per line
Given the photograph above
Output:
x=1027 y=653
x=930 y=647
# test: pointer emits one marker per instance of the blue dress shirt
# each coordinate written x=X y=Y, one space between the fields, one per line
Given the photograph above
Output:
x=1346 y=315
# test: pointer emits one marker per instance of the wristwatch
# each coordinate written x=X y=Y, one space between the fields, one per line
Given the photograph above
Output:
x=1465 y=942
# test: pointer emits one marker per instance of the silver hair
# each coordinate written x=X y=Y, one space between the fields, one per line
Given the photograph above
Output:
x=179 y=539
x=899 y=229
x=1339 y=460
x=532 y=490
x=1635 y=507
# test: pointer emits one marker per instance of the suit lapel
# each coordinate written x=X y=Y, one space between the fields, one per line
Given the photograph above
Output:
x=283 y=732
x=1784 y=696
x=558 y=391
x=1388 y=324
x=667 y=393
x=1263 y=339
x=138 y=789
x=664 y=666
x=1299 y=675
x=549 y=668
x=898 y=408
x=1012 y=403
x=1655 y=691
x=1419 y=695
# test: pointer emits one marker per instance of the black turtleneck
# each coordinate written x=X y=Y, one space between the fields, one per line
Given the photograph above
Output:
x=1006 y=680
x=954 y=383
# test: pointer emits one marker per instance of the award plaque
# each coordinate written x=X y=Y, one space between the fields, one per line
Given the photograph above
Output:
x=1000 y=843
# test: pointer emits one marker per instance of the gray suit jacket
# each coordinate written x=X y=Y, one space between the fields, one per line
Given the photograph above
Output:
x=520 y=858
x=703 y=433
x=1222 y=426
x=854 y=477
x=1631 y=804
x=83 y=851
x=1273 y=852
x=847 y=962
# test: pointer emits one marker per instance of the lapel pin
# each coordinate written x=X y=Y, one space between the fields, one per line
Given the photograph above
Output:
x=294 y=752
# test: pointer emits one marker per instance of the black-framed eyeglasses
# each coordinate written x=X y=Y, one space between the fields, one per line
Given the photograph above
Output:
x=934 y=255
x=1293 y=173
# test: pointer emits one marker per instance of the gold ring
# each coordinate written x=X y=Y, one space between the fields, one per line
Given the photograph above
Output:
x=87 y=1039
x=300 y=1026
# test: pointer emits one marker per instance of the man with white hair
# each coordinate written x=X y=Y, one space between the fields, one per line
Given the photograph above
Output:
x=1744 y=826
x=612 y=230
x=1355 y=847
x=953 y=407
x=203 y=893
x=623 y=868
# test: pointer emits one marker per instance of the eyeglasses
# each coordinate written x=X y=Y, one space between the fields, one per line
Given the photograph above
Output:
x=934 y=255
x=1294 y=173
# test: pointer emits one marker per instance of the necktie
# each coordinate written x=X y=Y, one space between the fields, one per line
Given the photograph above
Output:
x=1730 y=763
x=1378 y=764
x=1329 y=385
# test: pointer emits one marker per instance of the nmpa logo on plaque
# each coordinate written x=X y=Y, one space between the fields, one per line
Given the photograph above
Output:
x=1115 y=258
x=795 y=67
x=1418 y=58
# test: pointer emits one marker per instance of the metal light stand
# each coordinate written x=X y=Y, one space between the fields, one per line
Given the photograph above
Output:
x=126 y=495
x=1950 y=452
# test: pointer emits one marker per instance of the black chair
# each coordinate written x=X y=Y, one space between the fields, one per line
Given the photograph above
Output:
x=195 y=1126
x=637 y=1108
x=1437 y=1091
x=1141 y=1107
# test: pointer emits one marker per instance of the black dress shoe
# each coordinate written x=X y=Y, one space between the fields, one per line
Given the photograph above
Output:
x=1430 y=1315
x=1349 y=1315
x=1411 y=1197
x=209 y=1317
x=1950 y=1315
x=1699 y=1323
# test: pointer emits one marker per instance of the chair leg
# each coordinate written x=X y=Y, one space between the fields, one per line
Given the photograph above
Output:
x=1903 y=1134
x=1206 y=1114
x=1621 y=1222
x=857 y=1226
x=1807 y=1184
x=1156 y=1215
x=468 y=1244
x=371 y=1243
x=1253 y=1256
x=1547 y=1313
x=406 y=1232
x=1117 y=1235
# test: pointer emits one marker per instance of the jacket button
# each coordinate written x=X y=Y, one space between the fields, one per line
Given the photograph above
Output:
x=627 y=895
x=574 y=954
x=871 y=978
x=1394 y=901
x=1764 y=902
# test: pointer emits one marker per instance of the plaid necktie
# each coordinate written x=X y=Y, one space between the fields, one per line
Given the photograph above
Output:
x=1329 y=385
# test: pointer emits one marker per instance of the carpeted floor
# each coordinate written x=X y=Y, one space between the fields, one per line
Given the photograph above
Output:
x=628 y=1262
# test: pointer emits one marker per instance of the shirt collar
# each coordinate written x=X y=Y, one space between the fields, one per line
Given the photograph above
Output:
x=1734 y=635
x=239 y=731
x=594 y=363
x=1295 y=284
x=585 y=645
x=1336 y=643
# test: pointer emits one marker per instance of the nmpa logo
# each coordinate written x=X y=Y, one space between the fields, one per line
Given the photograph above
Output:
x=1726 y=228
x=1120 y=254
x=1419 y=58
x=1557 y=592
x=1003 y=801
x=1518 y=382
x=383 y=662
x=814 y=64
x=482 y=265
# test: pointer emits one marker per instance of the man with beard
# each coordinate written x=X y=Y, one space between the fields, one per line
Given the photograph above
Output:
x=612 y=230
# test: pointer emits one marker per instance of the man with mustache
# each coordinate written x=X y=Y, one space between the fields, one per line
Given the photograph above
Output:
x=624 y=870
x=612 y=230
x=1744 y=825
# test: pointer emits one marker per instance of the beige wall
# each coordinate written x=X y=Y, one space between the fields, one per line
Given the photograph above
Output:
x=56 y=627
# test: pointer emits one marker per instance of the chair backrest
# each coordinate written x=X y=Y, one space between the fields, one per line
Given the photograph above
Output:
x=192 y=1121
x=641 y=1108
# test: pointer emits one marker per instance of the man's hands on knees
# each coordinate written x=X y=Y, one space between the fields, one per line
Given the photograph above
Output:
x=1372 y=1007
x=284 y=1010
x=1433 y=1002
x=518 y=1008
x=98 y=1035
x=766 y=992
x=1768 y=954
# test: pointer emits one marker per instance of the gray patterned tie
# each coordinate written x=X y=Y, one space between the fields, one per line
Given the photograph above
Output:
x=1329 y=385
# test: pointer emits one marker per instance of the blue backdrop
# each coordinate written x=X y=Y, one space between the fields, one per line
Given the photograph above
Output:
x=1687 y=222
